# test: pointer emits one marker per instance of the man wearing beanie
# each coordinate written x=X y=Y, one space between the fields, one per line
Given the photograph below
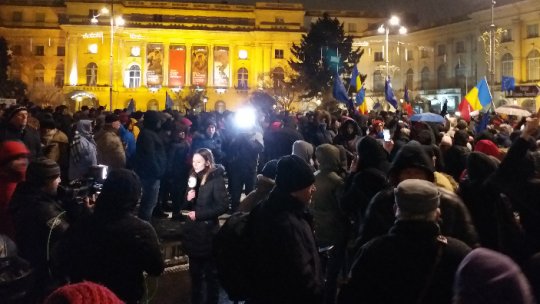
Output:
x=414 y=262
x=110 y=149
x=410 y=162
x=14 y=127
x=287 y=268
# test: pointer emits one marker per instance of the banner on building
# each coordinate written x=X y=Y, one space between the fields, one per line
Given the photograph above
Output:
x=177 y=66
x=154 y=64
x=199 y=65
x=222 y=71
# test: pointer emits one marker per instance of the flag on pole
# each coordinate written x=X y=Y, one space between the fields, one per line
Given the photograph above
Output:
x=389 y=93
x=355 y=79
x=477 y=98
x=407 y=104
x=361 y=101
x=340 y=93
x=131 y=107
x=169 y=104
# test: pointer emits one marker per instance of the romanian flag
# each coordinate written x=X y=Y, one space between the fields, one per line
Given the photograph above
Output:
x=476 y=99
x=407 y=106
x=355 y=79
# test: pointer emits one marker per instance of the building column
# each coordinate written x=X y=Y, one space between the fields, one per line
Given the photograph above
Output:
x=519 y=71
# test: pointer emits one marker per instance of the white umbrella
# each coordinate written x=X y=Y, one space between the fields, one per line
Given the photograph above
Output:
x=512 y=110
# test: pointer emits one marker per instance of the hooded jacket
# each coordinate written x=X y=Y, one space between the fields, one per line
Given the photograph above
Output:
x=263 y=187
x=110 y=150
x=304 y=150
x=150 y=156
x=83 y=153
x=455 y=218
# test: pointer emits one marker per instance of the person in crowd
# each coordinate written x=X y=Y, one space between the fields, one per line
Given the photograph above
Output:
x=304 y=150
x=178 y=167
x=349 y=133
x=265 y=184
x=149 y=163
x=16 y=279
x=413 y=262
x=315 y=131
x=40 y=221
x=243 y=155
x=84 y=292
x=110 y=149
x=279 y=139
x=113 y=246
x=14 y=127
x=130 y=144
x=455 y=157
x=13 y=165
x=63 y=119
x=207 y=199
x=488 y=277
x=287 y=268
x=329 y=220
x=413 y=162
x=210 y=139
x=55 y=143
x=82 y=150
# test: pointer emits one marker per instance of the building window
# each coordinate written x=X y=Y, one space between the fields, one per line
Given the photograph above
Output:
x=92 y=13
x=410 y=79
x=507 y=65
x=278 y=54
x=15 y=71
x=91 y=74
x=39 y=74
x=441 y=76
x=59 y=76
x=40 y=17
x=242 y=78
x=532 y=30
x=39 y=50
x=378 y=56
x=158 y=18
x=533 y=65
x=280 y=20
x=134 y=76
x=506 y=35
x=424 y=78
x=352 y=27
x=460 y=76
x=278 y=76
x=17 y=17
x=60 y=51
x=409 y=55
x=460 y=47
x=378 y=81
x=441 y=50
x=17 y=50
x=424 y=53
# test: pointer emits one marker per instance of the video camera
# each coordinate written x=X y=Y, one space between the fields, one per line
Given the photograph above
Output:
x=80 y=189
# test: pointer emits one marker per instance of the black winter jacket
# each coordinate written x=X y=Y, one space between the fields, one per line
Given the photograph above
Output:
x=211 y=201
x=287 y=267
x=150 y=156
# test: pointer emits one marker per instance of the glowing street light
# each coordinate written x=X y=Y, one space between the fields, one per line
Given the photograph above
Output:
x=385 y=29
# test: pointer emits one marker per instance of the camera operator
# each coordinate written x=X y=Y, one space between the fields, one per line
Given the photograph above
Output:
x=40 y=220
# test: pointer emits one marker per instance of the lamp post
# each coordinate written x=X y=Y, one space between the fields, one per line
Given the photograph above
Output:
x=385 y=29
x=118 y=21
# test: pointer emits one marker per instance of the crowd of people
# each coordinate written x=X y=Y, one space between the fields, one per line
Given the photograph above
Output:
x=435 y=213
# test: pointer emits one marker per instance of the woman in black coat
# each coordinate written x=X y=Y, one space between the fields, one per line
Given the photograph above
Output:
x=206 y=199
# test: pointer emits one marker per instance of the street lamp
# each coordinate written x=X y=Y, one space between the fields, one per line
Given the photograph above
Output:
x=114 y=21
x=385 y=29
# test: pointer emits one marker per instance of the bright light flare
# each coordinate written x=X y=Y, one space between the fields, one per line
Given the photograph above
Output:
x=394 y=20
x=403 y=30
x=245 y=118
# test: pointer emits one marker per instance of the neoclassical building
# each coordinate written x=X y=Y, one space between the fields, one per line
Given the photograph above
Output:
x=226 y=51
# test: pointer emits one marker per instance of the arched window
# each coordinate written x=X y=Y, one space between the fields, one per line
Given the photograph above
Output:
x=460 y=74
x=378 y=81
x=424 y=79
x=242 y=78
x=441 y=77
x=39 y=73
x=91 y=74
x=134 y=76
x=507 y=65
x=59 y=76
x=533 y=65
x=278 y=76
x=410 y=79
x=15 y=71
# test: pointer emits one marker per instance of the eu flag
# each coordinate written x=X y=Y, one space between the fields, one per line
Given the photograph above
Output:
x=389 y=94
x=508 y=83
x=169 y=104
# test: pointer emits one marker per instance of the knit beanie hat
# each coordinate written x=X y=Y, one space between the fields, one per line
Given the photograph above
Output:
x=417 y=196
x=81 y=293
x=10 y=150
x=13 y=110
x=270 y=169
x=487 y=147
x=47 y=122
x=293 y=174
x=42 y=169
x=110 y=118
x=412 y=155
x=120 y=193
x=485 y=276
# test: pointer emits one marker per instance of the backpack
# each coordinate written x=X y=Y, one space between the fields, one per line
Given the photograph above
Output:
x=232 y=254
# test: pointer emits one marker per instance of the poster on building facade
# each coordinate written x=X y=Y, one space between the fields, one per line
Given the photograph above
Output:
x=154 y=64
x=177 y=65
x=222 y=71
x=199 y=65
